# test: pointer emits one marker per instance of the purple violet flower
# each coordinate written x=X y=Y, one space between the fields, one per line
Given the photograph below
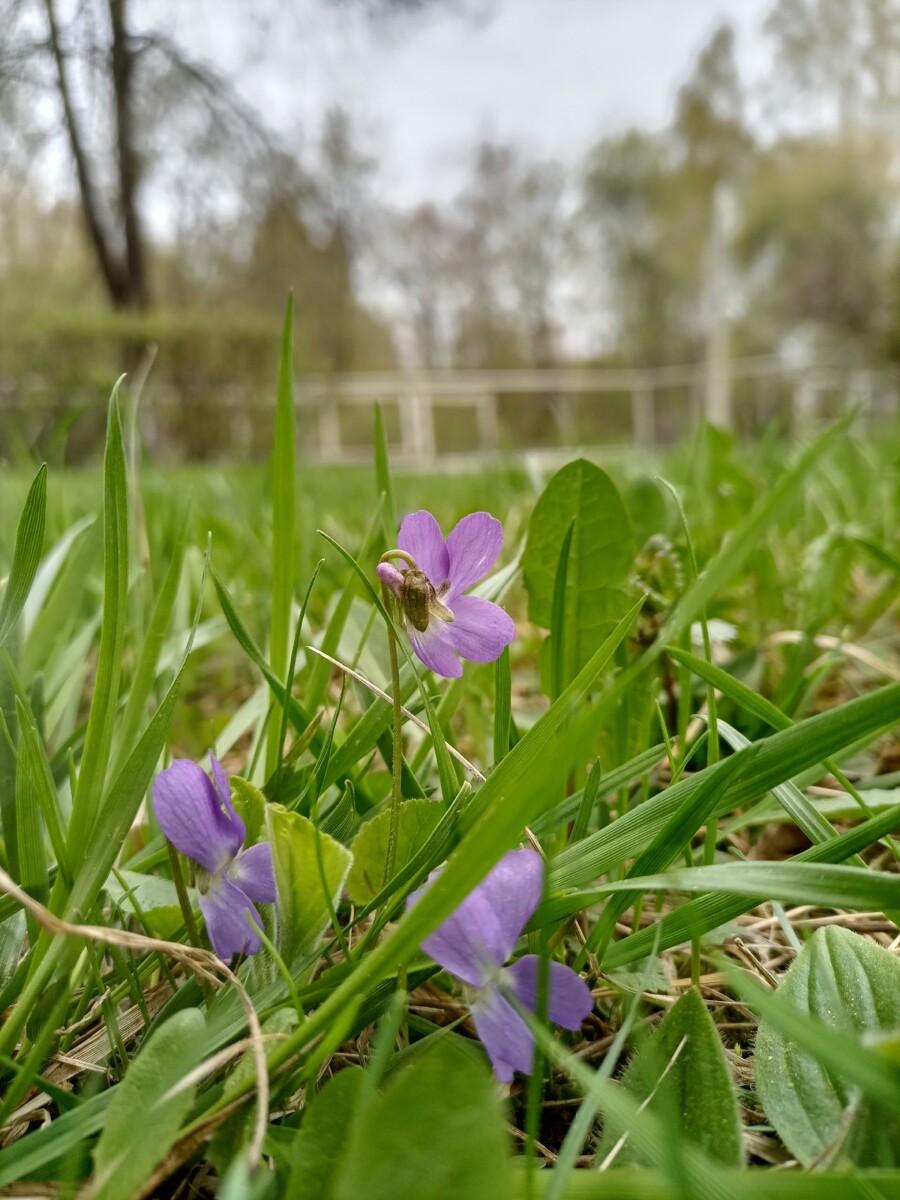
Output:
x=440 y=620
x=474 y=944
x=198 y=818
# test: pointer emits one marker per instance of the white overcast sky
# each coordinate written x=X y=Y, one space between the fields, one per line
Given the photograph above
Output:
x=550 y=75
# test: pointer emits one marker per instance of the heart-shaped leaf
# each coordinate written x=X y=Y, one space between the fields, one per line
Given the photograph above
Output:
x=310 y=870
x=417 y=822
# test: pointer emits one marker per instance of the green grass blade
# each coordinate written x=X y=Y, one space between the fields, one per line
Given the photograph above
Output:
x=148 y=663
x=284 y=468
x=384 y=481
x=317 y=686
x=502 y=705
x=777 y=758
x=747 y=534
x=34 y=765
x=668 y=842
x=822 y=884
x=704 y=913
x=26 y=555
x=99 y=731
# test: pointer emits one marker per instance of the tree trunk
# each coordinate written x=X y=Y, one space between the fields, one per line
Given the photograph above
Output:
x=128 y=160
x=111 y=268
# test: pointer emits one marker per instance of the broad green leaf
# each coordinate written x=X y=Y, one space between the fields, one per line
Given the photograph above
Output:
x=310 y=870
x=284 y=455
x=155 y=897
x=147 y=1108
x=26 y=555
x=851 y=985
x=599 y=559
x=681 y=1071
x=250 y=804
x=436 y=1131
x=321 y=1143
x=417 y=822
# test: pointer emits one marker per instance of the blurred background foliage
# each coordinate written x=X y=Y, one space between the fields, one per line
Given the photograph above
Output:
x=789 y=179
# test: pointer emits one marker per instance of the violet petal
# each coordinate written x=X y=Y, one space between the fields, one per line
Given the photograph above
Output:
x=225 y=907
x=472 y=547
x=391 y=578
x=511 y=891
x=421 y=537
x=480 y=629
x=188 y=810
x=505 y=1036
x=222 y=786
x=569 y=998
x=465 y=944
x=253 y=873
x=480 y=934
x=434 y=650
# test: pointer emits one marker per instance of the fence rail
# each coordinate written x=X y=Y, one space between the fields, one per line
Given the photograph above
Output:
x=439 y=414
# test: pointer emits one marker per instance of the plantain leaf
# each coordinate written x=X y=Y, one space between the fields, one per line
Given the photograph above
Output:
x=682 y=1074
x=146 y=1110
x=851 y=985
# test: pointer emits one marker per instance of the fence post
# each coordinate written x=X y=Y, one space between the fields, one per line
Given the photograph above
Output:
x=418 y=422
x=329 y=428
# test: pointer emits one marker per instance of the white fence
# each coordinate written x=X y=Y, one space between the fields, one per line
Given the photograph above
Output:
x=500 y=410
x=663 y=403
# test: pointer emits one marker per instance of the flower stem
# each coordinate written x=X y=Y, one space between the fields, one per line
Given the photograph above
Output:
x=186 y=911
x=397 y=763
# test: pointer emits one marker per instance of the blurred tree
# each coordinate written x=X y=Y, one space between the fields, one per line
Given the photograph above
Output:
x=417 y=258
x=508 y=259
x=815 y=239
x=109 y=88
x=648 y=202
x=838 y=58
x=710 y=126
x=628 y=196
